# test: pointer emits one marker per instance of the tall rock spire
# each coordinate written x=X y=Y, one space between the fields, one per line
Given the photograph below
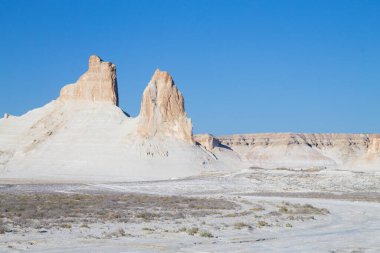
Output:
x=163 y=110
x=98 y=84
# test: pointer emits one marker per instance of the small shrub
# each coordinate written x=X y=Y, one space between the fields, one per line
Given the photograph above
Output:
x=240 y=225
x=84 y=225
x=182 y=229
x=206 y=234
x=230 y=215
x=257 y=209
x=68 y=226
x=121 y=232
x=288 y=225
x=262 y=223
x=146 y=216
x=238 y=214
x=192 y=231
x=117 y=233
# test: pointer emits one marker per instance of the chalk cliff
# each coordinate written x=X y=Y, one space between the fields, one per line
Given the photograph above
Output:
x=98 y=84
x=162 y=110
x=292 y=150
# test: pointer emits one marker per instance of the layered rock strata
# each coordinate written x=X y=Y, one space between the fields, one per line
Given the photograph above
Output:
x=98 y=84
x=293 y=150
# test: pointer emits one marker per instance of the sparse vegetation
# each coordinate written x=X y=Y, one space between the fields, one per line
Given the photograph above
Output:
x=46 y=210
x=182 y=229
x=121 y=232
x=118 y=233
x=192 y=231
x=240 y=225
x=140 y=214
x=258 y=209
x=147 y=216
x=84 y=225
x=237 y=214
x=2 y=229
x=206 y=234
x=283 y=209
x=262 y=223
x=288 y=208
x=65 y=225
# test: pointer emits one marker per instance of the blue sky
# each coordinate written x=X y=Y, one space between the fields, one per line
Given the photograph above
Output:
x=243 y=66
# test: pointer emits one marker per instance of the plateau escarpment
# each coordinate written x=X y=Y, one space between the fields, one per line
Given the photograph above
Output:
x=291 y=150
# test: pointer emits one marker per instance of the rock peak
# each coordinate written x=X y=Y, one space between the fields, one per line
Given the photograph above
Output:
x=94 y=61
x=98 y=84
x=163 y=110
x=162 y=77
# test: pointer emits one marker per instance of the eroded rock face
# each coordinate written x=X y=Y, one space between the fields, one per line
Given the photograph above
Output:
x=292 y=150
x=206 y=140
x=162 y=110
x=98 y=84
x=374 y=147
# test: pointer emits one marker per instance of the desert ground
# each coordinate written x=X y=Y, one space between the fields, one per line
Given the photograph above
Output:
x=253 y=210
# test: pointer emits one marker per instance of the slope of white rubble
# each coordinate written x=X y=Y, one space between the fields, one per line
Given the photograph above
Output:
x=91 y=141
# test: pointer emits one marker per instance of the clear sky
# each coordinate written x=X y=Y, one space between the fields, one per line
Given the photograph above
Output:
x=243 y=66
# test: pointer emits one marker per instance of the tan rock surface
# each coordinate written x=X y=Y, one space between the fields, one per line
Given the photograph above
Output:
x=206 y=140
x=163 y=111
x=98 y=84
x=375 y=146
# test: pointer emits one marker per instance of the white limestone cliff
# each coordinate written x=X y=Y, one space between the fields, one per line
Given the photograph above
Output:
x=305 y=151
